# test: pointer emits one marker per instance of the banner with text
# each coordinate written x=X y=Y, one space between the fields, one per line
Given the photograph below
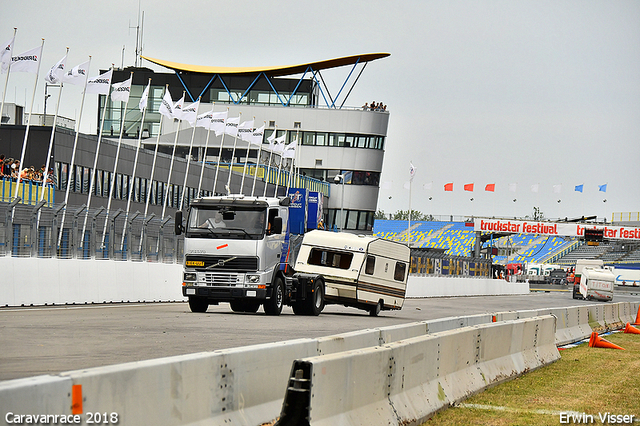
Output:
x=555 y=228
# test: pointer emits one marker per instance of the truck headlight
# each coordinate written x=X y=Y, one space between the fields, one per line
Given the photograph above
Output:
x=189 y=276
x=253 y=279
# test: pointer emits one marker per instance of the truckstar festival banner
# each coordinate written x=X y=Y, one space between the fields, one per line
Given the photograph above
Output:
x=555 y=228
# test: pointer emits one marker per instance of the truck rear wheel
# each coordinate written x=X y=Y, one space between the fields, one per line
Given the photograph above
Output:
x=273 y=306
x=197 y=304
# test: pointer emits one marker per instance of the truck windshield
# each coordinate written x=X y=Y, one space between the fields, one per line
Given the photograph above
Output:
x=226 y=222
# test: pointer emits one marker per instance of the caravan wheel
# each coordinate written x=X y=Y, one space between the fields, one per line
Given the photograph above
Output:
x=375 y=311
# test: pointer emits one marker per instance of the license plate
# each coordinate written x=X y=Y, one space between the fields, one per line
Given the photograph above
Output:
x=191 y=291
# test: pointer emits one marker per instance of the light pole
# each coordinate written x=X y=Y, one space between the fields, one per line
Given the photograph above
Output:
x=337 y=180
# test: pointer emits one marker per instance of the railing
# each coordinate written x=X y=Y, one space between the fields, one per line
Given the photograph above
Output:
x=36 y=232
x=625 y=217
x=29 y=191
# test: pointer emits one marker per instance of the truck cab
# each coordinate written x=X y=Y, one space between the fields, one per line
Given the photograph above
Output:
x=235 y=250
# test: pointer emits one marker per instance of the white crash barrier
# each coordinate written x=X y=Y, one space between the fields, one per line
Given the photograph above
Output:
x=406 y=381
x=60 y=281
x=576 y=323
x=232 y=386
x=428 y=286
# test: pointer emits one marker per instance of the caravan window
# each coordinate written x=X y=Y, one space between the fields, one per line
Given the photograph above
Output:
x=399 y=273
x=330 y=258
x=370 y=265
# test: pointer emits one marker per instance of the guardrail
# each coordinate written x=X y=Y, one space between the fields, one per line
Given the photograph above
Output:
x=401 y=373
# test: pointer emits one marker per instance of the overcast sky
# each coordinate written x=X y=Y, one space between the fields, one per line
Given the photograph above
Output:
x=504 y=92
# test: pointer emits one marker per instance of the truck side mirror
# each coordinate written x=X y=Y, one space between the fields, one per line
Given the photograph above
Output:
x=277 y=225
x=178 y=223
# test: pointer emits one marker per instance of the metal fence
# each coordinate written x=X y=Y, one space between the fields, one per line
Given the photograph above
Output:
x=36 y=231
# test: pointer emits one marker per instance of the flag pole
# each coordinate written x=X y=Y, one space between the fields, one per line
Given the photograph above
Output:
x=73 y=156
x=173 y=156
x=26 y=132
x=115 y=169
x=133 y=174
x=6 y=80
x=186 y=172
x=255 y=175
x=95 y=160
x=45 y=175
x=296 y=175
x=233 y=154
x=266 y=179
x=206 y=147
x=275 y=193
x=153 y=166
x=246 y=160
x=215 y=180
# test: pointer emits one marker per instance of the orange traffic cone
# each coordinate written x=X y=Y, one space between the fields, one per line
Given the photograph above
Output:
x=596 y=342
x=637 y=317
x=629 y=329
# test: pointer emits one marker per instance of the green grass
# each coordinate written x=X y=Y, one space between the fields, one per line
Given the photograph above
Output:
x=585 y=380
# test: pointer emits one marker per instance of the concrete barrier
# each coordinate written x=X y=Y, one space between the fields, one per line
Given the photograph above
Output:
x=232 y=386
x=59 y=281
x=406 y=381
x=427 y=286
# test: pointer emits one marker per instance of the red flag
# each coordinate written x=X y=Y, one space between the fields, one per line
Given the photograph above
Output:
x=490 y=187
x=468 y=187
x=448 y=187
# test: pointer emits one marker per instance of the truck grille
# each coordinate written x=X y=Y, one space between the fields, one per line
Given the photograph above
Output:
x=224 y=263
x=220 y=279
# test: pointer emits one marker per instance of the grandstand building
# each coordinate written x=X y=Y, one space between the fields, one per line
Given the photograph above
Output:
x=341 y=148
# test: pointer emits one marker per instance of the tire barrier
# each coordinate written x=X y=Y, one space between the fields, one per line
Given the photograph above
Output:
x=406 y=381
x=246 y=385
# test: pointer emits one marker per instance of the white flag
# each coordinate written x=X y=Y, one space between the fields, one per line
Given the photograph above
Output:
x=177 y=108
x=166 y=107
x=512 y=187
x=77 y=75
x=27 y=61
x=386 y=184
x=55 y=74
x=120 y=91
x=245 y=130
x=290 y=150
x=190 y=112
x=231 y=126
x=279 y=144
x=407 y=185
x=204 y=120
x=412 y=170
x=428 y=185
x=217 y=122
x=5 y=56
x=256 y=136
x=144 y=99
x=100 y=84
x=271 y=138
x=557 y=189
x=535 y=187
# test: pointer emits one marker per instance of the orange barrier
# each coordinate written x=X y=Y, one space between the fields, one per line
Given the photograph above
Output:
x=596 y=342
x=637 y=322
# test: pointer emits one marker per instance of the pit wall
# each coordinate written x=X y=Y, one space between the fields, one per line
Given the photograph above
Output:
x=422 y=367
x=38 y=281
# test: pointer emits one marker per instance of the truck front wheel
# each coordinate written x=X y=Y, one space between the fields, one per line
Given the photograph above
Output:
x=197 y=304
x=273 y=306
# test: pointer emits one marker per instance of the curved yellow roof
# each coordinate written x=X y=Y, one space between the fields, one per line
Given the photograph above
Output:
x=272 y=71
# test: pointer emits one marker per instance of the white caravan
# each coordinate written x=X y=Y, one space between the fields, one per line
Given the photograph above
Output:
x=359 y=271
